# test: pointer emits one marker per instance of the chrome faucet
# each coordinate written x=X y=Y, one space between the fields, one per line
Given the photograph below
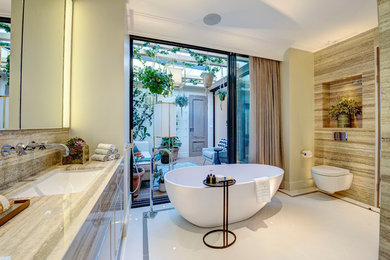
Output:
x=43 y=146
x=151 y=213
x=58 y=146
x=7 y=150
x=20 y=149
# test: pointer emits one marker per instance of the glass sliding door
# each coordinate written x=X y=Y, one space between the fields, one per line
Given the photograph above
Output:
x=194 y=120
x=242 y=111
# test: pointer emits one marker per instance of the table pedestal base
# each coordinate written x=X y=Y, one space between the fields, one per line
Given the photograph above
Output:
x=225 y=238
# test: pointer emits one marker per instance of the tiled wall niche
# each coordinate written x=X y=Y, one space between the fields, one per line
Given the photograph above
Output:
x=349 y=60
x=332 y=91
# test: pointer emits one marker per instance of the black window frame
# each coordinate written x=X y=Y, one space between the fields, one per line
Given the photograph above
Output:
x=231 y=84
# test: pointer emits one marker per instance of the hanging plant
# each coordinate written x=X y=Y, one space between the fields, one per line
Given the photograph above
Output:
x=156 y=81
x=181 y=101
x=208 y=75
x=6 y=27
x=221 y=93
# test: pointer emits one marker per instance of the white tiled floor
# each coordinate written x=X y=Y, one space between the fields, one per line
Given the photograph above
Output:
x=314 y=226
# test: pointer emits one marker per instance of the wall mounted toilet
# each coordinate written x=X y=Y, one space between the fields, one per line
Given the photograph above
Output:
x=331 y=179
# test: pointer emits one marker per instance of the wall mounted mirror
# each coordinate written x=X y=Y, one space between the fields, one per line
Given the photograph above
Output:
x=35 y=63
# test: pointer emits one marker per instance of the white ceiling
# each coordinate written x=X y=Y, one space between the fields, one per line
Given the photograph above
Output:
x=256 y=27
x=5 y=8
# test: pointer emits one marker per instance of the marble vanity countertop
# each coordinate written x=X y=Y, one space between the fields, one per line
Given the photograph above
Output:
x=48 y=226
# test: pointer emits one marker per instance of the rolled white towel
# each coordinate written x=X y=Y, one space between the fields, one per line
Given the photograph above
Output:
x=106 y=146
x=103 y=151
x=99 y=157
x=262 y=188
x=114 y=156
x=5 y=204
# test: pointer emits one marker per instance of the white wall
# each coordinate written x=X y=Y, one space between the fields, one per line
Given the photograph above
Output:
x=99 y=73
x=220 y=119
x=183 y=122
x=210 y=131
x=202 y=35
x=297 y=98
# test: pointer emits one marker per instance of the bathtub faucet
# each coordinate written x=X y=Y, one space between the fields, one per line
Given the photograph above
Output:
x=151 y=213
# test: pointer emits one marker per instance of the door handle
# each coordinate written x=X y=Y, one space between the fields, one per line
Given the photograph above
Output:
x=191 y=129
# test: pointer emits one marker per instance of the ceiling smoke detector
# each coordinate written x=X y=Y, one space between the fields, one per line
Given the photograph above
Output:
x=212 y=19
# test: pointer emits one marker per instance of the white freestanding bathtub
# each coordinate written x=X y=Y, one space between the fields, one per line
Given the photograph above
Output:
x=202 y=205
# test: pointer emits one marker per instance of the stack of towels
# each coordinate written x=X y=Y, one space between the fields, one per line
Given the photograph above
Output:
x=105 y=152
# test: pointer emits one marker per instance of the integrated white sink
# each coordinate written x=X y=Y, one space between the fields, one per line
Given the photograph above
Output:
x=60 y=181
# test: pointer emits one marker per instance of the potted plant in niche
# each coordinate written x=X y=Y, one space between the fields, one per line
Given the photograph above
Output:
x=138 y=172
x=181 y=101
x=345 y=110
x=159 y=177
x=171 y=143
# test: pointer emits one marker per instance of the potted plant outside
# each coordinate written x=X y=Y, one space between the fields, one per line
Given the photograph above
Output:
x=208 y=76
x=345 y=110
x=156 y=81
x=138 y=172
x=142 y=114
x=173 y=144
x=164 y=157
x=205 y=60
x=221 y=93
x=208 y=79
x=159 y=177
x=181 y=101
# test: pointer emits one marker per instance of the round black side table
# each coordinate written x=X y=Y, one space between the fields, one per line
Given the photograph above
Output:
x=225 y=222
x=217 y=161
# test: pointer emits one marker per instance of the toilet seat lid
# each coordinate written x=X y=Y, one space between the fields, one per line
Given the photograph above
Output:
x=327 y=170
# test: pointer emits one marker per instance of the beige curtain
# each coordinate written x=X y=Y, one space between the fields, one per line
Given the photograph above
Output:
x=265 y=133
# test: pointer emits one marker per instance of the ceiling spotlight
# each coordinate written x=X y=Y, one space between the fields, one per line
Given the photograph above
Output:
x=212 y=19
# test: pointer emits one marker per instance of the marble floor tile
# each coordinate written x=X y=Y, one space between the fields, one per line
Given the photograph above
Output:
x=313 y=226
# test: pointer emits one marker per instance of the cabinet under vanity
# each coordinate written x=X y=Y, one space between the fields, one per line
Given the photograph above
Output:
x=101 y=234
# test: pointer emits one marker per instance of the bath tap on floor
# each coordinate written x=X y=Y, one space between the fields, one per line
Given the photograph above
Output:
x=151 y=213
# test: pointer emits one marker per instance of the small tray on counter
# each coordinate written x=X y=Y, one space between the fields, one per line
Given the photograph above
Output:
x=19 y=206
x=219 y=184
